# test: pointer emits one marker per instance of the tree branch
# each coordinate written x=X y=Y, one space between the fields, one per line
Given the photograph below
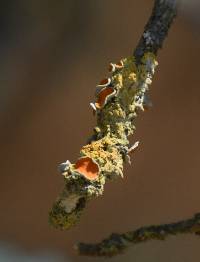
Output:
x=117 y=243
x=156 y=29
x=118 y=101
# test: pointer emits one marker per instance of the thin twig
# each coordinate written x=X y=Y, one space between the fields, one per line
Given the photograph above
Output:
x=117 y=243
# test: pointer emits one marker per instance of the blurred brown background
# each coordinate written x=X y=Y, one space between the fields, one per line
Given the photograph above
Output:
x=53 y=53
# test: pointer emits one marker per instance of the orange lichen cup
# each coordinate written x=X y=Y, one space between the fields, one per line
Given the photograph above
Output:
x=104 y=82
x=111 y=67
x=119 y=65
x=103 y=96
x=87 y=167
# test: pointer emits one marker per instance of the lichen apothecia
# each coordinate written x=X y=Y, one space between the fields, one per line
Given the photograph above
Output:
x=119 y=97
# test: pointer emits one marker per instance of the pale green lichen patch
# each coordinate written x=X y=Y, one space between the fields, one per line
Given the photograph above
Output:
x=59 y=218
x=69 y=203
x=102 y=158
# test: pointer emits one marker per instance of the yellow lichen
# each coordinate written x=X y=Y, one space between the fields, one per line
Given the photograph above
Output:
x=149 y=56
x=108 y=147
x=105 y=153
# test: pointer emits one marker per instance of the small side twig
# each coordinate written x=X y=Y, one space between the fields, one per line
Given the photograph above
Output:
x=117 y=243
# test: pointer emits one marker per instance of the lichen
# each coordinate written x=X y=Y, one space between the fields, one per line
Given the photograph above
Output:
x=119 y=99
x=60 y=218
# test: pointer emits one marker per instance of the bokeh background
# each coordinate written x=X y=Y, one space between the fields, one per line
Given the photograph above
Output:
x=53 y=53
